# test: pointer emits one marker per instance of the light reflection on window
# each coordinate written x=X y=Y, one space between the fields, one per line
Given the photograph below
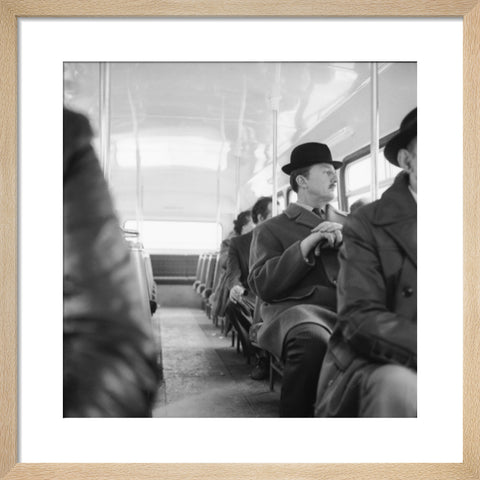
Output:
x=358 y=177
x=168 y=151
x=281 y=202
x=178 y=237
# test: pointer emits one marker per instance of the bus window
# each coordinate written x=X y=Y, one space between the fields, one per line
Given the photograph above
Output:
x=357 y=177
x=291 y=196
x=178 y=237
x=281 y=202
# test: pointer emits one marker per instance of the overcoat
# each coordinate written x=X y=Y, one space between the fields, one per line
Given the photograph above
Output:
x=219 y=297
x=293 y=289
x=109 y=357
x=237 y=260
x=377 y=299
x=237 y=265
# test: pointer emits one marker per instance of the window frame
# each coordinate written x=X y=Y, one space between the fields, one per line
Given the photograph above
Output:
x=355 y=157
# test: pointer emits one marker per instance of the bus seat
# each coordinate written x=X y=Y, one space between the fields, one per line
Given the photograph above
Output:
x=198 y=274
x=210 y=276
x=206 y=269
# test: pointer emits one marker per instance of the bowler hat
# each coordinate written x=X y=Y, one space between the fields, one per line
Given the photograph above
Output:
x=407 y=132
x=309 y=154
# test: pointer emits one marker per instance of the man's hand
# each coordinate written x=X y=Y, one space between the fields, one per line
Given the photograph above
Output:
x=324 y=234
x=236 y=293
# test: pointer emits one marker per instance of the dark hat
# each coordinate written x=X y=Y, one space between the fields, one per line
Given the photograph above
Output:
x=407 y=132
x=309 y=154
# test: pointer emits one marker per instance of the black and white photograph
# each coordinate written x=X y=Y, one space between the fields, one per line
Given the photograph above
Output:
x=240 y=239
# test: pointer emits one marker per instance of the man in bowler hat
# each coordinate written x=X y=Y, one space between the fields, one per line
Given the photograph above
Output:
x=293 y=269
x=370 y=369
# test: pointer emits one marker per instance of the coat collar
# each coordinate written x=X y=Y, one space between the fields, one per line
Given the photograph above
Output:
x=397 y=203
x=397 y=213
x=309 y=219
x=245 y=238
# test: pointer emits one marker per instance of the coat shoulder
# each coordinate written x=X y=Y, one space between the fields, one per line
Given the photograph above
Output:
x=241 y=240
x=76 y=129
x=272 y=223
x=366 y=212
x=77 y=135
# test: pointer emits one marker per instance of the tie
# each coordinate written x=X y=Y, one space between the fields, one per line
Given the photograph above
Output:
x=317 y=212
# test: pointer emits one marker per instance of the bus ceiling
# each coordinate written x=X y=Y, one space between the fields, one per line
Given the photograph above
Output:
x=173 y=136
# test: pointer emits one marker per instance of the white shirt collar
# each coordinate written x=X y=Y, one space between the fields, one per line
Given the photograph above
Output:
x=308 y=207
x=414 y=194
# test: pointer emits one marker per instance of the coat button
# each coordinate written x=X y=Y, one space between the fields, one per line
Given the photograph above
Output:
x=407 y=292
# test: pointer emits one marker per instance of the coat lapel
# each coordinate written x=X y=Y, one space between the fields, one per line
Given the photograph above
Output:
x=397 y=213
x=334 y=215
x=305 y=217
x=405 y=234
x=302 y=216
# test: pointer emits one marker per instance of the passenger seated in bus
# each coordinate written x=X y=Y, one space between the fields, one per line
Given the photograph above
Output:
x=241 y=305
x=109 y=356
x=241 y=225
x=370 y=369
x=293 y=269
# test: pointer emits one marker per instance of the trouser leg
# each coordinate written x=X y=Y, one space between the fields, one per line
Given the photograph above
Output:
x=240 y=318
x=243 y=316
x=303 y=351
x=389 y=391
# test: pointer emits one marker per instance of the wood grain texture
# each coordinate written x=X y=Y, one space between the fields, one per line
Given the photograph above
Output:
x=191 y=471
x=8 y=241
x=471 y=223
x=9 y=10
x=247 y=8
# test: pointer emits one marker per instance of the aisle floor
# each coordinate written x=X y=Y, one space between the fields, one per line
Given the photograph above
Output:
x=204 y=376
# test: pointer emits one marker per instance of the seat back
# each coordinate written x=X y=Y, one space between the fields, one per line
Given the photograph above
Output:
x=205 y=272
x=210 y=275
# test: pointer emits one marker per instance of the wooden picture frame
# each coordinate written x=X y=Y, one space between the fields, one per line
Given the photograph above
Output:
x=11 y=10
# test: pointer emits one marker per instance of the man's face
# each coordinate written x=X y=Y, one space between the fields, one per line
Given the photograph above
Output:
x=407 y=160
x=413 y=155
x=322 y=182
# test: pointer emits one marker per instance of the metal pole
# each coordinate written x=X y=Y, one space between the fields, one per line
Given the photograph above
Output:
x=274 y=165
x=275 y=107
x=138 y=162
x=238 y=149
x=105 y=118
x=237 y=184
x=375 y=133
x=220 y=157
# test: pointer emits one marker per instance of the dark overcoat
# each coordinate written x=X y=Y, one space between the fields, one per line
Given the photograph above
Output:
x=237 y=260
x=377 y=299
x=219 y=298
x=237 y=265
x=109 y=357
x=293 y=289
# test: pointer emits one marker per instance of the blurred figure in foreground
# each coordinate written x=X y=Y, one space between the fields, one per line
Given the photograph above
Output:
x=370 y=369
x=109 y=357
